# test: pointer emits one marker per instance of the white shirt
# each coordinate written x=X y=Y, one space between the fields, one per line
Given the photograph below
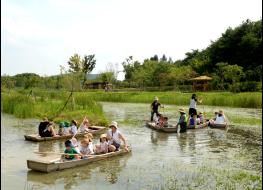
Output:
x=104 y=146
x=83 y=128
x=74 y=129
x=220 y=120
x=192 y=103
x=115 y=136
x=86 y=149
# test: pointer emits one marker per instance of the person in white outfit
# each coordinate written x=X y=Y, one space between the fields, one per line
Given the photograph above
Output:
x=115 y=137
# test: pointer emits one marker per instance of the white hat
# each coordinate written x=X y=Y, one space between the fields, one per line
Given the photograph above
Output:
x=156 y=98
x=114 y=124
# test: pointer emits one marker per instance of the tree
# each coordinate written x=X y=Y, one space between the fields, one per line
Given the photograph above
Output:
x=82 y=66
x=88 y=64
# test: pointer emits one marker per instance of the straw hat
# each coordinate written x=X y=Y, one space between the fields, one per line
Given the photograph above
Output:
x=103 y=136
x=114 y=124
x=156 y=98
x=181 y=110
x=200 y=112
x=221 y=111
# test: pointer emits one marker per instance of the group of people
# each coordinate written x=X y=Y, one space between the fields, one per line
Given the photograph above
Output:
x=46 y=128
x=109 y=142
x=75 y=149
x=185 y=122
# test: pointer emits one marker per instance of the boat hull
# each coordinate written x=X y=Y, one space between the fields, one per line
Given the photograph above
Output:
x=50 y=166
x=161 y=129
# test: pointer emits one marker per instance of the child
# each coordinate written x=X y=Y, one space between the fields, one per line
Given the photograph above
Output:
x=84 y=127
x=103 y=146
x=70 y=152
x=75 y=144
x=201 y=118
x=85 y=149
x=73 y=130
x=191 y=122
x=163 y=121
x=89 y=136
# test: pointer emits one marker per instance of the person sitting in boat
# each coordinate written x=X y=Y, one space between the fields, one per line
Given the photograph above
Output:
x=220 y=119
x=75 y=144
x=70 y=152
x=182 y=121
x=102 y=148
x=201 y=118
x=154 y=108
x=114 y=136
x=191 y=124
x=163 y=121
x=212 y=120
x=73 y=129
x=84 y=127
x=45 y=129
x=85 y=148
x=89 y=137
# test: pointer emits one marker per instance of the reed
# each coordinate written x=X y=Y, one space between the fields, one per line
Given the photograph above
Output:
x=245 y=100
x=23 y=106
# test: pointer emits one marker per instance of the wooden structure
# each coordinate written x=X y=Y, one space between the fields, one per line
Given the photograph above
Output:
x=201 y=83
x=98 y=85
x=36 y=138
x=56 y=163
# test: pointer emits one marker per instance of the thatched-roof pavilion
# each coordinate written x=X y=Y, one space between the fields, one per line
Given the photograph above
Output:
x=201 y=83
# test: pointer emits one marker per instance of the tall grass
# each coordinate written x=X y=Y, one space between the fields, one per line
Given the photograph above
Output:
x=43 y=105
x=244 y=100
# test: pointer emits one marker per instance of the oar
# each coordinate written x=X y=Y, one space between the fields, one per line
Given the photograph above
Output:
x=55 y=153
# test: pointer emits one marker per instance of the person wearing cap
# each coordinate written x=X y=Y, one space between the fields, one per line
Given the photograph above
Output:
x=182 y=121
x=154 y=108
x=103 y=147
x=114 y=137
x=70 y=152
x=73 y=129
x=192 y=107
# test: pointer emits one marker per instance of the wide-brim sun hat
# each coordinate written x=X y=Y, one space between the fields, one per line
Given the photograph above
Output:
x=114 y=124
x=181 y=110
x=103 y=136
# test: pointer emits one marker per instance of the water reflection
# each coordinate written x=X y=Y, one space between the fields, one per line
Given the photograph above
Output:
x=157 y=136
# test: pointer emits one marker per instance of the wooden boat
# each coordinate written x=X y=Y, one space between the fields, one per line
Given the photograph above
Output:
x=219 y=126
x=44 y=165
x=37 y=138
x=169 y=129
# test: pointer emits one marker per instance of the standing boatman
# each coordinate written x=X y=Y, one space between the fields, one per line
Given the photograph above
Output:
x=154 y=108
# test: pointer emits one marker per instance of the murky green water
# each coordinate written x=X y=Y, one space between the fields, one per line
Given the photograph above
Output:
x=200 y=159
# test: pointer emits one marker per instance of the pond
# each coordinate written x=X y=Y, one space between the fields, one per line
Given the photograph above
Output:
x=199 y=159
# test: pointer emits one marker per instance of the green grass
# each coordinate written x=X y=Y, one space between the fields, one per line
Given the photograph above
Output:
x=49 y=104
x=242 y=100
x=245 y=100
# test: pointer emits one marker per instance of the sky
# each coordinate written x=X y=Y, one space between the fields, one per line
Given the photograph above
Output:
x=38 y=36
